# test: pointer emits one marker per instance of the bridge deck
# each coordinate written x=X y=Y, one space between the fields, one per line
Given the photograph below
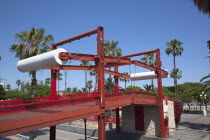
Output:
x=21 y=118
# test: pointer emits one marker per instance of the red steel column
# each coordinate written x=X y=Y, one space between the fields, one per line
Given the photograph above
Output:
x=85 y=123
x=116 y=79
x=53 y=85
x=53 y=97
x=160 y=94
x=100 y=70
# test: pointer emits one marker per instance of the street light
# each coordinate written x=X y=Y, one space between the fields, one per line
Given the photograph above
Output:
x=203 y=96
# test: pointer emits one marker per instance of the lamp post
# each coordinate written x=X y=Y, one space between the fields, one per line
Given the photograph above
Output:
x=203 y=96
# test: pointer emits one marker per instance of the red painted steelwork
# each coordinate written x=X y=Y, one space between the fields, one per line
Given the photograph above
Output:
x=75 y=38
x=100 y=71
x=137 y=54
x=138 y=63
x=116 y=74
x=60 y=109
x=160 y=94
x=116 y=79
x=72 y=67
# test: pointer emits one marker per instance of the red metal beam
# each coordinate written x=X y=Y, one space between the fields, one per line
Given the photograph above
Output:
x=137 y=54
x=77 y=56
x=72 y=67
x=112 y=64
x=160 y=94
x=116 y=79
x=100 y=71
x=116 y=74
x=138 y=63
x=75 y=38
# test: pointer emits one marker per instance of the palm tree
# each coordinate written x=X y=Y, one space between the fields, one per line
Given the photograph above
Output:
x=206 y=83
x=58 y=77
x=147 y=87
x=89 y=85
x=109 y=85
x=94 y=73
x=47 y=81
x=150 y=60
x=203 y=6
x=176 y=73
x=174 y=48
x=31 y=43
x=85 y=63
x=208 y=45
x=111 y=49
x=123 y=79
x=8 y=87
x=18 y=82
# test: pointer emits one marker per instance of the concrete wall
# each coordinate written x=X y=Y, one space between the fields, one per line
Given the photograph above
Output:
x=151 y=119
x=128 y=119
x=171 y=121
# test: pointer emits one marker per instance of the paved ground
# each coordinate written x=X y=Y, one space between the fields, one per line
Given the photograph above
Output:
x=199 y=125
x=188 y=121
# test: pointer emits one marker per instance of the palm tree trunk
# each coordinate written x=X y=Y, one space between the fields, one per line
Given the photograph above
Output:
x=33 y=84
x=33 y=89
x=125 y=84
x=58 y=85
x=85 y=78
x=152 y=83
x=175 y=84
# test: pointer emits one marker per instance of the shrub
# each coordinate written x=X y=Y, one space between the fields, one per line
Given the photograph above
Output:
x=178 y=108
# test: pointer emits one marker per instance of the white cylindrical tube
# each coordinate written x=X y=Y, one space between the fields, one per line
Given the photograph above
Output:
x=145 y=76
x=41 y=61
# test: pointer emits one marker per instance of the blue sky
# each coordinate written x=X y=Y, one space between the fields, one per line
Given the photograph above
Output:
x=138 y=26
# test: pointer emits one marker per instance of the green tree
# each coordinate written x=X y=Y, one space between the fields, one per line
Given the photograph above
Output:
x=109 y=85
x=206 y=83
x=31 y=43
x=203 y=6
x=47 y=81
x=168 y=92
x=2 y=93
x=147 y=87
x=85 y=63
x=58 y=77
x=8 y=87
x=42 y=90
x=123 y=79
x=176 y=73
x=111 y=49
x=174 y=48
x=15 y=94
x=94 y=73
x=18 y=82
x=134 y=88
x=89 y=85
x=208 y=45
x=150 y=60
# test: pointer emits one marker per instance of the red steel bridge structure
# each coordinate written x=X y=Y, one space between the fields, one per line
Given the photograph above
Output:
x=21 y=115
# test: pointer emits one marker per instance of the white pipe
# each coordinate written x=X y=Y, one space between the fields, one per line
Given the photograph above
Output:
x=145 y=76
x=44 y=60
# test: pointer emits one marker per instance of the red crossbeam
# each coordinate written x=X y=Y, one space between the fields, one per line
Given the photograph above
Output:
x=138 y=63
x=75 y=38
x=137 y=54
x=116 y=74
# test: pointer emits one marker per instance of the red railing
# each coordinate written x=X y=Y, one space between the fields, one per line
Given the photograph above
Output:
x=63 y=100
